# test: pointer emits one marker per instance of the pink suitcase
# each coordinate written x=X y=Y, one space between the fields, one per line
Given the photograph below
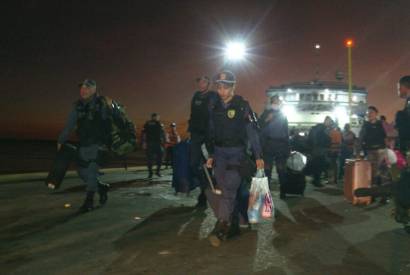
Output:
x=357 y=175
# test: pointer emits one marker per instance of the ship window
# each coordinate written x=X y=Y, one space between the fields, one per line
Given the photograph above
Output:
x=322 y=97
x=314 y=97
x=302 y=97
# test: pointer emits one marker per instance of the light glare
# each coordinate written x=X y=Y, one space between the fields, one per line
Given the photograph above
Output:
x=235 y=51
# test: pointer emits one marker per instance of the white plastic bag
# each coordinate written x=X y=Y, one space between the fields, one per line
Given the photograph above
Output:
x=260 y=199
x=390 y=157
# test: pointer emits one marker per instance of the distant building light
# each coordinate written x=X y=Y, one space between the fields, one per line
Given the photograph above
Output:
x=317 y=46
x=354 y=98
x=289 y=90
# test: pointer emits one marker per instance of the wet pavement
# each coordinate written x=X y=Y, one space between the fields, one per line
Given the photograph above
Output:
x=146 y=229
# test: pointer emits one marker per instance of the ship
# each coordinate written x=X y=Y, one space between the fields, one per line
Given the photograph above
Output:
x=308 y=103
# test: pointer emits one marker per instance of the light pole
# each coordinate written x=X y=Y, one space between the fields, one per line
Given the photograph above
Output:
x=349 y=45
x=317 y=51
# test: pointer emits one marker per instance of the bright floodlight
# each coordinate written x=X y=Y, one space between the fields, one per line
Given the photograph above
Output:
x=290 y=112
x=235 y=51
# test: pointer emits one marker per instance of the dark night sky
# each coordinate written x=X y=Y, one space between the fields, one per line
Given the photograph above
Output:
x=147 y=54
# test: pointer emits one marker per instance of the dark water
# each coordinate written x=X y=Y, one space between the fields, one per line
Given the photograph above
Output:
x=23 y=156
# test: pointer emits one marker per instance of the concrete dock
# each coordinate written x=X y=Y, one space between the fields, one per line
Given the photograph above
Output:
x=146 y=228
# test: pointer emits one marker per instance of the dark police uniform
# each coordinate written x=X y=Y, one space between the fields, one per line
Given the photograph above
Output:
x=403 y=127
x=230 y=130
x=154 y=138
x=275 y=142
x=402 y=190
x=198 y=126
x=91 y=117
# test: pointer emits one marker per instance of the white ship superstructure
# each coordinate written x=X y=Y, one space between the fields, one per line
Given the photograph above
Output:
x=308 y=103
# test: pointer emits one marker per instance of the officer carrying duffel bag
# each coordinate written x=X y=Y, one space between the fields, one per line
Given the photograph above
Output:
x=121 y=140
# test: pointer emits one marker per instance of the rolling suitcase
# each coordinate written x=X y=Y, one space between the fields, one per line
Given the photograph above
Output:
x=357 y=175
x=295 y=183
x=64 y=157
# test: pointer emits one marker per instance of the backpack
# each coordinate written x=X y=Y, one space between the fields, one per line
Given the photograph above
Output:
x=123 y=137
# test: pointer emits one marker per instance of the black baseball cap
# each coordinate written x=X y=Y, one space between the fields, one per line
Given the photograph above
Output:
x=203 y=77
x=89 y=83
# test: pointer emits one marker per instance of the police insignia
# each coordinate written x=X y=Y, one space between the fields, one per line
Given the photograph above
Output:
x=231 y=113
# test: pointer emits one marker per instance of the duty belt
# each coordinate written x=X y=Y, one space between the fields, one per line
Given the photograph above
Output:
x=375 y=147
x=228 y=144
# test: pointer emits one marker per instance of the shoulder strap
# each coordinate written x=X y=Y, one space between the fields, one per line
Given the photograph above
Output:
x=106 y=100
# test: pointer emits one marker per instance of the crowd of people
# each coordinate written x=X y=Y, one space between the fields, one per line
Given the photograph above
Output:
x=237 y=141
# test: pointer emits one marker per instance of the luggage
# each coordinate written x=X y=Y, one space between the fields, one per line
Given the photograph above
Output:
x=296 y=161
x=295 y=183
x=64 y=157
x=357 y=175
x=182 y=180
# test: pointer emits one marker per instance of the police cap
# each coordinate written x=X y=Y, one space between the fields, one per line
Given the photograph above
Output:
x=89 y=83
x=203 y=77
x=225 y=77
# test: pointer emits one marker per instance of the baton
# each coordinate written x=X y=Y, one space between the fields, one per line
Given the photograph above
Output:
x=215 y=191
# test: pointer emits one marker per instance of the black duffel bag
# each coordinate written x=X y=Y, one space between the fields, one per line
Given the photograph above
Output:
x=64 y=157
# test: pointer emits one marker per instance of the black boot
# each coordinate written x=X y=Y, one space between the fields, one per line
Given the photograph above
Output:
x=158 y=173
x=88 y=204
x=201 y=204
x=102 y=191
x=234 y=229
x=150 y=174
x=219 y=233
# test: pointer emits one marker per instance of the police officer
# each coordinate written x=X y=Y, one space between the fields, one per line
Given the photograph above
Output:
x=403 y=116
x=402 y=191
x=230 y=130
x=152 y=140
x=275 y=140
x=90 y=116
x=197 y=127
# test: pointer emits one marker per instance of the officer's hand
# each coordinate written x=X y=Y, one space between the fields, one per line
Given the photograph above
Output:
x=260 y=164
x=58 y=146
x=209 y=162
